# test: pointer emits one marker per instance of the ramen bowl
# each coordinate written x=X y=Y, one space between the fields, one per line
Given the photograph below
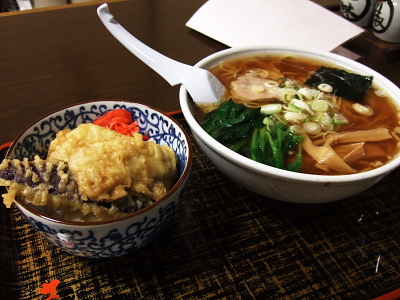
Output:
x=276 y=183
x=112 y=237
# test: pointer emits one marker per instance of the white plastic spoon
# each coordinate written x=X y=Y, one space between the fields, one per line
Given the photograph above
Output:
x=203 y=86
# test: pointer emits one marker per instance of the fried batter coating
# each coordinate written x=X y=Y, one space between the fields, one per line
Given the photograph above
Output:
x=38 y=181
x=92 y=173
x=106 y=163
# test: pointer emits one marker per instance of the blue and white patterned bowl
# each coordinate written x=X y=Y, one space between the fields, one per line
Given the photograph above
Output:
x=114 y=237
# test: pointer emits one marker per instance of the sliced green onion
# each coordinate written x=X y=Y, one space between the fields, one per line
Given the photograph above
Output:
x=322 y=118
x=306 y=93
x=257 y=89
x=271 y=83
x=312 y=128
x=363 y=110
x=320 y=106
x=324 y=87
x=270 y=109
x=288 y=97
x=295 y=117
x=381 y=93
x=339 y=118
x=268 y=121
x=327 y=127
x=289 y=93
x=319 y=96
x=261 y=73
x=317 y=116
x=297 y=128
x=326 y=120
x=300 y=106
x=293 y=108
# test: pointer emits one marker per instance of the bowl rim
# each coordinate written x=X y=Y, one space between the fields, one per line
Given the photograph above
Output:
x=172 y=190
x=260 y=168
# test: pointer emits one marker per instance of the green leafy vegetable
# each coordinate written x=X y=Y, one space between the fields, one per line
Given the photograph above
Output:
x=242 y=130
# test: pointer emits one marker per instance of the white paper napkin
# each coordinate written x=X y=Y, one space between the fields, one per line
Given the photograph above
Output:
x=298 y=23
x=24 y=4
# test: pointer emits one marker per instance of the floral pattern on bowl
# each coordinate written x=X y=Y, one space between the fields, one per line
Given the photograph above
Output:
x=109 y=238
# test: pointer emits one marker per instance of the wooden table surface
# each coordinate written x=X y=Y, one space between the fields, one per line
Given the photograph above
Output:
x=52 y=58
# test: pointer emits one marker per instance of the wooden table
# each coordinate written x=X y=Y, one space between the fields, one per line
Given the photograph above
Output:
x=225 y=242
x=53 y=58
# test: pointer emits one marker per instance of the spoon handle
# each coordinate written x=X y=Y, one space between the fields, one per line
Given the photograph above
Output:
x=171 y=70
x=201 y=84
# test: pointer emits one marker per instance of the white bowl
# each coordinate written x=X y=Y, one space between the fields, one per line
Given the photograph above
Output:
x=113 y=237
x=276 y=183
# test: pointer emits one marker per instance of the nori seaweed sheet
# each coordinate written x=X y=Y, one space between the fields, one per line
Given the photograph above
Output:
x=347 y=85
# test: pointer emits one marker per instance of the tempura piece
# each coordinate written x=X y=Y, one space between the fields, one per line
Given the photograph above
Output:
x=92 y=171
x=37 y=180
x=106 y=164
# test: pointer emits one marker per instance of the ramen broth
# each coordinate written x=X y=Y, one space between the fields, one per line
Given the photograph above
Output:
x=385 y=113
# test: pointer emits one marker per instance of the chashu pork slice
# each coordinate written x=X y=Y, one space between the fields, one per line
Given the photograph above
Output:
x=252 y=88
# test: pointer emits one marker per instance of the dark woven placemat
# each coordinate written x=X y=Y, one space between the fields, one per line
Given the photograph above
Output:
x=225 y=243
